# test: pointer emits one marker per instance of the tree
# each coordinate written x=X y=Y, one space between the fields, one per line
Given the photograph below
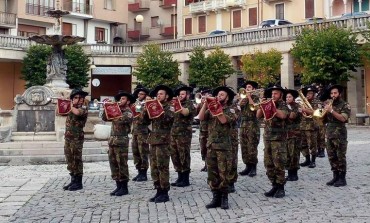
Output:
x=209 y=71
x=156 y=67
x=263 y=68
x=36 y=60
x=326 y=54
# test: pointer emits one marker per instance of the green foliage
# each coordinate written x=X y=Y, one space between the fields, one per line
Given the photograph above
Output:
x=326 y=55
x=36 y=60
x=78 y=66
x=156 y=67
x=209 y=71
x=263 y=68
x=34 y=65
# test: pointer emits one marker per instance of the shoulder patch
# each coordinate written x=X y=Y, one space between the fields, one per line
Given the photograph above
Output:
x=129 y=114
x=232 y=110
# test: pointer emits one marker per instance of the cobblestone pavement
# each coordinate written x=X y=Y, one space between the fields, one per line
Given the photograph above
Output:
x=35 y=194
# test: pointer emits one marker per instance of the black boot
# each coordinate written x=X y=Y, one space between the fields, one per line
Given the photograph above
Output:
x=231 y=188
x=287 y=178
x=70 y=184
x=204 y=169
x=253 y=171
x=77 y=185
x=163 y=197
x=179 y=178
x=313 y=163
x=123 y=190
x=142 y=176
x=335 y=178
x=321 y=153
x=273 y=190
x=184 y=179
x=216 y=200
x=306 y=162
x=156 y=195
x=138 y=175
x=280 y=192
x=115 y=190
x=246 y=170
x=294 y=175
x=224 y=201
x=341 y=182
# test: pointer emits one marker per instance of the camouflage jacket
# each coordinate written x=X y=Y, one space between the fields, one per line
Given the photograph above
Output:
x=237 y=113
x=75 y=124
x=161 y=126
x=334 y=127
x=182 y=125
x=247 y=115
x=120 y=128
x=140 y=125
x=203 y=125
x=293 y=125
x=219 y=133
x=275 y=128
x=309 y=123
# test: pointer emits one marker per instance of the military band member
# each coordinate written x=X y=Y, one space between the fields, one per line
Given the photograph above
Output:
x=321 y=132
x=118 y=143
x=74 y=139
x=249 y=131
x=275 y=143
x=159 y=140
x=233 y=176
x=309 y=128
x=219 y=147
x=336 y=133
x=140 y=132
x=293 y=135
x=203 y=129
x=181 y=134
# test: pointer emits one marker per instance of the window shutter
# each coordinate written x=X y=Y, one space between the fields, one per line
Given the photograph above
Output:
x=188 y=26
x=252 y=16
x=237 y=19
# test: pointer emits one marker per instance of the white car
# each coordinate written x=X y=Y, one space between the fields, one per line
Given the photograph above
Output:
x=274 y=22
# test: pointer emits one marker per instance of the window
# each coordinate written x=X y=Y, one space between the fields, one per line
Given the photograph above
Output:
x=67 y=29
x=39 y=7
x=309 y=8
x=252 y=16
x=188 y=26
x=202 y=24
x=154 y=21
x=100 y=34
x=279 y=8
x=110 y=4
x=237 y=19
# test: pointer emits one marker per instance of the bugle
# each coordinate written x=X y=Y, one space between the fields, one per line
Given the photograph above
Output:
x=320 y=113
x=198 y=98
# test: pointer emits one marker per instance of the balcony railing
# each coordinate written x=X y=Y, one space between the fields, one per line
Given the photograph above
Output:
x=15 y=42
x=35 y=9
x=7 y=19
x=168 y=3
x=138 y=34
x=78 y=7
x=138 y=6
x=213 y=5
x=168 y=30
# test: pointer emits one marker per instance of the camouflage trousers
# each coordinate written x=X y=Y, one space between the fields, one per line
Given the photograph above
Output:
x=292 y=154
x=233 y=175
x=337 y=150
x=309 y=142
x=275 y=156
x=180 y=152
x=219 y=163
x=159 y=165
x=73 y=155
x=249 y=139
x=118 y=157
x=140 y=151
x=203 y=138
x=321 y=137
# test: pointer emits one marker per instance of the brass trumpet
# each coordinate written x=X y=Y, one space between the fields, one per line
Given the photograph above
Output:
x=198 y=98
x=243 y=92
x=320 y=113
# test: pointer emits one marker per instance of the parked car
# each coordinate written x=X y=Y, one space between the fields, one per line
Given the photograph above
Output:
x=274 y=22
x=315 y=19
x=353 y=14
x=217 y=32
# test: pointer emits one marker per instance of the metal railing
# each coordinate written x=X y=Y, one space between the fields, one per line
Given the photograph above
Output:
x=36 y=9
x=7 y=18
x=78 y=7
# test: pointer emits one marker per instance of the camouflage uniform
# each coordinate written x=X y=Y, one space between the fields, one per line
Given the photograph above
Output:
x=275 y=152
x=181 y=134
x=159 y=139
x=233 y=176
x=140 y=148
x=293 y=138
x=219 y=150
x=118 y=145
x=249 y=135
x=74 y=139
x=203 y=138
x=336 y=134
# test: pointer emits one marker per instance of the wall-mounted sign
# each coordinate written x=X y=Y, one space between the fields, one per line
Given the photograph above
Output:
x=111 y=71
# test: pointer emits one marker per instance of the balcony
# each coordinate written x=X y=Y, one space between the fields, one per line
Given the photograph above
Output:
x=138 y=34
x=78 y=10
x=7 y=19
x=169 y=31
x=165 y=4
x=35 y=9
x=214 y=5
x=138 y=6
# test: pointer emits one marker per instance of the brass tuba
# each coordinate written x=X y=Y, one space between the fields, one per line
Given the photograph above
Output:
x=304 y=104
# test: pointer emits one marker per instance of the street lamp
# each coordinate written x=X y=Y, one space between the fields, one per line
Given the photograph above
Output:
x=139 y=19
x=174 y=21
